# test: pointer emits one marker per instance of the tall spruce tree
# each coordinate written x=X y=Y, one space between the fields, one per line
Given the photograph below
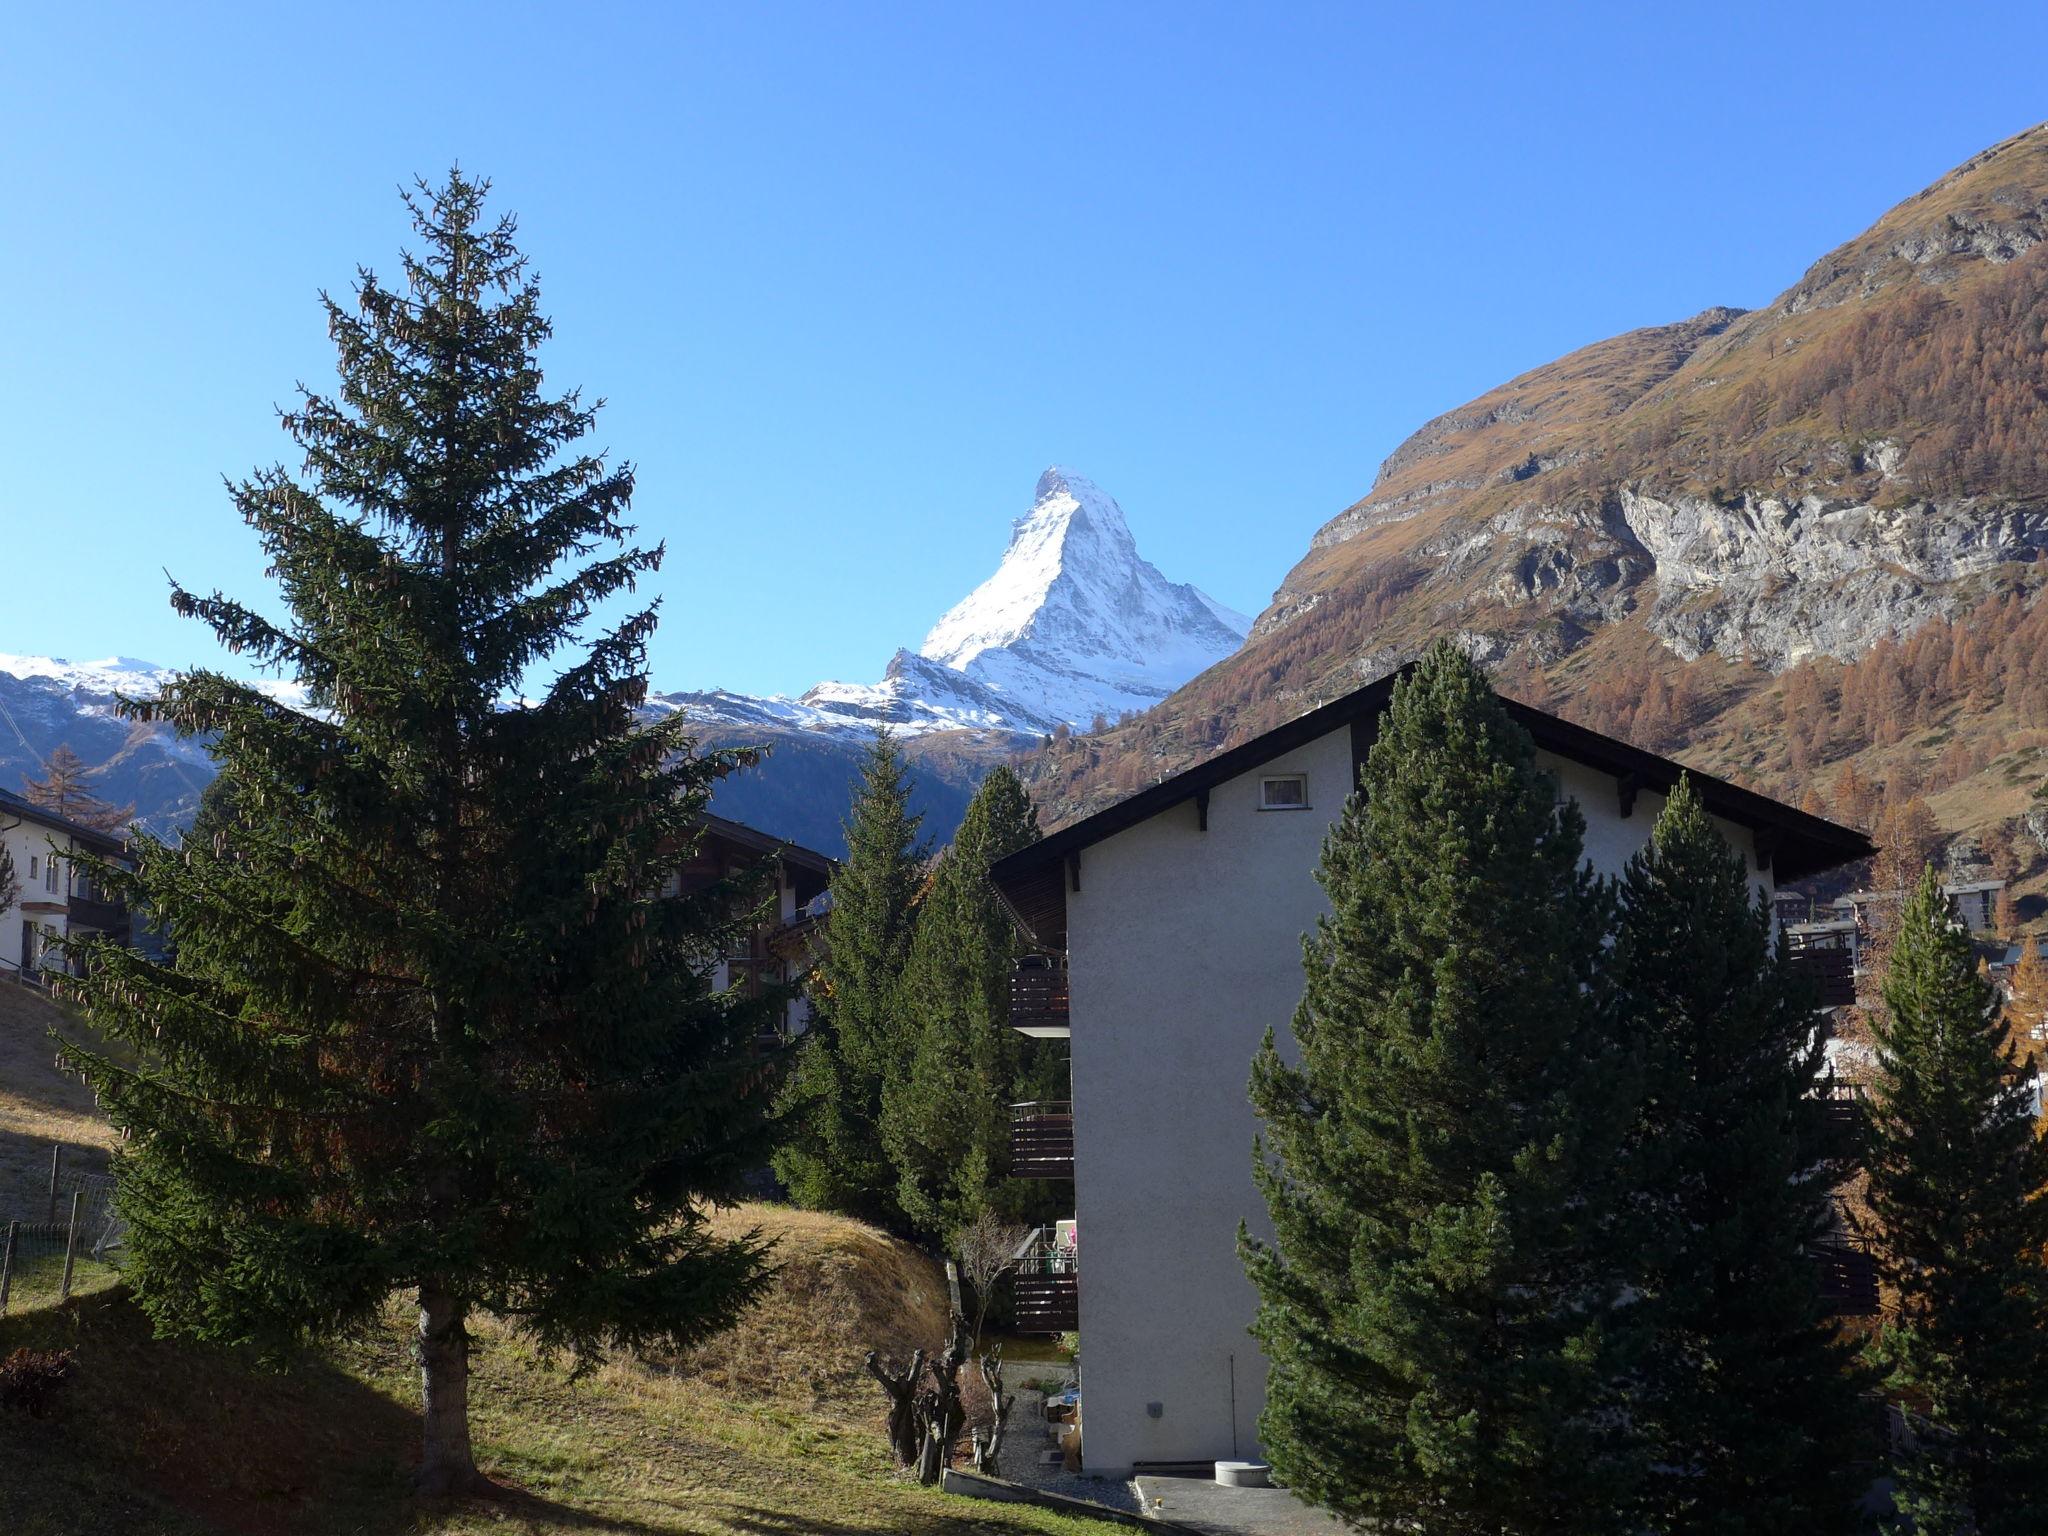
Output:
x=1748 y=1397
x=945 y=1122
x=1440 y=1304
x=1959 y=1187
x=430 y=1024
x=832 y=1157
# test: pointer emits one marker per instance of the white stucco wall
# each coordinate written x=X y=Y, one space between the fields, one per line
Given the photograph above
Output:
x=1183 y=948
x=30 y=840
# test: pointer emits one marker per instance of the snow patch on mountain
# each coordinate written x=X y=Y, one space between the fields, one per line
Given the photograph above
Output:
x=114 y=674
x=1074 y=623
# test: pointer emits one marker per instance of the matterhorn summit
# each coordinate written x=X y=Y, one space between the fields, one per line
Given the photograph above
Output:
x=1074 y=623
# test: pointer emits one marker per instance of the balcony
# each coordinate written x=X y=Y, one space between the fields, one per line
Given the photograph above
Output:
x=108 y=917
x=1042 y=1140
x=1038 y=997
x=1825 y=954
x=1046 y=1283
x=1842 y=1119
x=1848 y=1280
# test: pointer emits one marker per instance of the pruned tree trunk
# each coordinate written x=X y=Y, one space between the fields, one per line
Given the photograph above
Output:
x=940 y=1410
x=447 y=1463
x=906 y=1433
x=988 y=1451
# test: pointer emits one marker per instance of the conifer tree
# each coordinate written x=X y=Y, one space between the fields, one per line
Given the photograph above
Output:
x=945 y=1123
x=1440 y=1304
x=63 y=789
x=832 y=1157
x=431 y=1024
x=1959 y=1187
x=1747 y=1395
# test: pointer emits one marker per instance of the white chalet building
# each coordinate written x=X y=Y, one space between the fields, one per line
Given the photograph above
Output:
x=1178 y=916
x=55 y=900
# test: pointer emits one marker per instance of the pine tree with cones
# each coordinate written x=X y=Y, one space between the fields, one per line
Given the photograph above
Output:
x=432 y=1025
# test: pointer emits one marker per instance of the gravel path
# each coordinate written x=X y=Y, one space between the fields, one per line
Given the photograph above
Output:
x=1028 y=1438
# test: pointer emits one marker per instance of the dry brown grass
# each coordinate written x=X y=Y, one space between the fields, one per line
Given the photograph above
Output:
x=40 y=1106
x=843 y=1288
x=164 y=1437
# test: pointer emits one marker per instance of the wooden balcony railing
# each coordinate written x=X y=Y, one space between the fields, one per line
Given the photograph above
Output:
x=1038 y=997
x=1848 y=1280
x=1042 y=1140
x=1831 y=970
x=1046 y=1286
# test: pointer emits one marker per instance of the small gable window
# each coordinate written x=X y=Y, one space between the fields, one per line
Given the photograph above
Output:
x=1283 y=792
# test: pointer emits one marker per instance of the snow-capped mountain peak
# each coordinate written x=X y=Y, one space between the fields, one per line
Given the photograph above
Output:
x=1071 y=531
x=123 y=674
x=1074 y=623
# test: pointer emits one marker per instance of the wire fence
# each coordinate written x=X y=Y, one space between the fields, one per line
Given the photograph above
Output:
x=77 y=1247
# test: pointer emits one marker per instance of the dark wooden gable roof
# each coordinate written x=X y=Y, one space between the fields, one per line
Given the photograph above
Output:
x=24 y=809
x=1034 y=881
x=807 y=871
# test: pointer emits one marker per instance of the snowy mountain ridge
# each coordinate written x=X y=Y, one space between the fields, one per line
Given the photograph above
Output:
x=1074 y=623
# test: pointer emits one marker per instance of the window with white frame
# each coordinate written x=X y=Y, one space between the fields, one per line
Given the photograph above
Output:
x=1283 y=792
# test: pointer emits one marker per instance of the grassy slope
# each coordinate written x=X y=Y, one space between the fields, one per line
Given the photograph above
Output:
x=771 y=1429
x=766 y=1432
x=39 y=1105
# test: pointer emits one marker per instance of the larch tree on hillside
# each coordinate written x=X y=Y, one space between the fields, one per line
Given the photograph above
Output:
x=831 y=1155
x=1959 y=1189
x=1747 y=1394
x=63 y=789
x=431 y=1025
x=946 y=1122
x=1442 y=1303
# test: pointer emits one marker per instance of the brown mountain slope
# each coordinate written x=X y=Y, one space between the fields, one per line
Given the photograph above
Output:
x=1712 y=505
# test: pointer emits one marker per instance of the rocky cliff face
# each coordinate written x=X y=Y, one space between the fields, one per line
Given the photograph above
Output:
x=1770 y=485
x=1750 y=488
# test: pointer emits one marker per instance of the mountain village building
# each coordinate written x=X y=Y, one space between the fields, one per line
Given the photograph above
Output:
x=1171 y=928
x=782 y=946
x=55 y=900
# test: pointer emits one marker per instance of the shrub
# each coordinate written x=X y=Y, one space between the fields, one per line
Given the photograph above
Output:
x=29 y=1379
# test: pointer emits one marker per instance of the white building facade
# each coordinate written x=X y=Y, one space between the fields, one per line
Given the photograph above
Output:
x=54 y=899
x=1181 y=913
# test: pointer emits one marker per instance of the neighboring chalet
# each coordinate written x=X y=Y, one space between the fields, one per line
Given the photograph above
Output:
x=1170 y=927
x=1835 y=948
x=56 y=900
x=783 y=946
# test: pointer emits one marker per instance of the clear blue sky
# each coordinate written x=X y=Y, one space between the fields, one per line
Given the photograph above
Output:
x=851 y=275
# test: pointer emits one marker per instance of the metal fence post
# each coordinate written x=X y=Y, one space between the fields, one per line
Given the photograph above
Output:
x=56 y=1171
x=71 y=1243
x=7 y=1265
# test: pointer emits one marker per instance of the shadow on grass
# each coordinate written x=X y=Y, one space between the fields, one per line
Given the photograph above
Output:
x=200 y=1437
x=547 y=1514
